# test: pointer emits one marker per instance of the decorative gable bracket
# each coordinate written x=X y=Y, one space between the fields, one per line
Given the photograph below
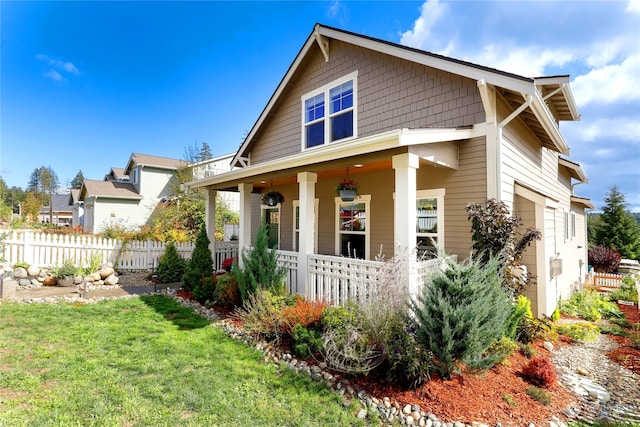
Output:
x=323 y=44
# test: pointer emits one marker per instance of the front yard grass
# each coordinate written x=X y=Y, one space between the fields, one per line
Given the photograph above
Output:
x=147 y=362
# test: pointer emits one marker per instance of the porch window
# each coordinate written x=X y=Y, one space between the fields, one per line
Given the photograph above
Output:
x=429 y=222
x=271 y=219
x=352 y=219
x=296 y=225
x=322 y=125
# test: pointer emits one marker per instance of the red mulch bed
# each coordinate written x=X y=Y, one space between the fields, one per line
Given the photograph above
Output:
x=495 y=396
x=627 y=355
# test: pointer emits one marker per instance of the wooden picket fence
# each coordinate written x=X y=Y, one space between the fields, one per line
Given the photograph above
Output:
x=47 y=250
x=607 y=282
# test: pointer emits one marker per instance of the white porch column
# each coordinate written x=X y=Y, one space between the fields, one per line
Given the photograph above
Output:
x=307 y=195
x=404 y=214
x=244 y=233
x=210 y=221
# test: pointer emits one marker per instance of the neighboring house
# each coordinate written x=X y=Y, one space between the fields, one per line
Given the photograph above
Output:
x=422 y=135
x=62 y=211
x=216 y=166
x=77 y=218
x=128 y=196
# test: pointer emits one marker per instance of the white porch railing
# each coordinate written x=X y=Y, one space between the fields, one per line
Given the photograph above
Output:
x=289 y=260
x=337 y=280
x=224 y=250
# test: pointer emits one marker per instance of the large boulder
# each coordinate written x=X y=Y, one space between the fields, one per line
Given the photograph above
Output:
x=106 y=272
x=111 y=280
x=33 y=271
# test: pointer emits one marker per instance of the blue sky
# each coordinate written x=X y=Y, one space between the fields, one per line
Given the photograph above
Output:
x=85 y=84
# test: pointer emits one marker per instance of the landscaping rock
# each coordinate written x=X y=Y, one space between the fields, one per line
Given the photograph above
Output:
x=33 y=270
x=20 y=273
x=106 y=272
x=50 y=281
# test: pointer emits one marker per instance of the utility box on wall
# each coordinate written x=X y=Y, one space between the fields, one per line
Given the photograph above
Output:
x=556 y=267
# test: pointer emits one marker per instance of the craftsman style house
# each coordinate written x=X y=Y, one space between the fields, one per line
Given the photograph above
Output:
x=421 y=135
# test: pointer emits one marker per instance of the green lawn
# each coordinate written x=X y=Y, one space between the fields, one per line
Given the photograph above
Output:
x=145 y=362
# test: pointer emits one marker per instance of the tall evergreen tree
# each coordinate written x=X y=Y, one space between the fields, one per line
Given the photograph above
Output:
x=618 y=229
x=76 y=183
x=205 y=152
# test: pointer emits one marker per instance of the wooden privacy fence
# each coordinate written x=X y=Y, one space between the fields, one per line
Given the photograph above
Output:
x=47 y=250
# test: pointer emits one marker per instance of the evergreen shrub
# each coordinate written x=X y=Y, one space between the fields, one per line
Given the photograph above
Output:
x=460 y=313
x=306 y=341
x=205 y=291
x=201 y=263
x=227 y=293
x=260 y=268
x=171 y=265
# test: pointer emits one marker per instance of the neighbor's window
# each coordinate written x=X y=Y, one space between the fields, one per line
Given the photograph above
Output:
x=573 y=225
x=322 y=125
x=566 y=226
x=429 y=222
x=353 y=231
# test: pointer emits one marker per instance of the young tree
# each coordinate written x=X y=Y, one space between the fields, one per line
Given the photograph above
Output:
x=618 y=229
x=76 y=183
x=495 y=233
x=30 y=207
x=205 y=152
x=201 y=263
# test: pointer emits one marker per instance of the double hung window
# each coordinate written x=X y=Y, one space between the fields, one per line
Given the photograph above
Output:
x=429 y=222
x=329 y=113
x=353 y=220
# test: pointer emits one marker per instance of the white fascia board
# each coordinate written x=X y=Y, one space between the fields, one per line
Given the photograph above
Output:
x=379 y=142
x=543 y=114
x=281 y=87
x=452 y=66
x=429 y=135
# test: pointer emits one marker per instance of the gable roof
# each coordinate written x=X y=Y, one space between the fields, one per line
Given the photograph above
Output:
x=574 y=169
x=116 y=174
x=551 y=96
x=153 y=161
x=60 y=203
x=108 y=189
x=74 y=195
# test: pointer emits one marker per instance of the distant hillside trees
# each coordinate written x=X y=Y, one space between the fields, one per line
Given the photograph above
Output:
x=616 y=228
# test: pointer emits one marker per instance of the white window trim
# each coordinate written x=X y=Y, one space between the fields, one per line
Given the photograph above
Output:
x=296 y=203
x=327 y=126
x=437 y=194
x=573 y=225
x=565 y=223
x=263 y=208
x=366 y=199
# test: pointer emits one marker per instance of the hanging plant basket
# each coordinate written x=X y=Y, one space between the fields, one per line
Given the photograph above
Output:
x=272 y=198
x=347 y=190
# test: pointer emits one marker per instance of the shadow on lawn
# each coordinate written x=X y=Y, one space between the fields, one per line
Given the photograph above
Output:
x=184 y=318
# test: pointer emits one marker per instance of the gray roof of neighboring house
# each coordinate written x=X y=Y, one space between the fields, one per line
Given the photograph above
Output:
x=60 y=204
x=154 y=161
x=108 y=189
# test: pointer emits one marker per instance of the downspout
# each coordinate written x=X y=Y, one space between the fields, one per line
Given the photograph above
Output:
x=501 y=125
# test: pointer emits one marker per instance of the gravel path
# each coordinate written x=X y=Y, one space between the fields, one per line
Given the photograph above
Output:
x=622 y=385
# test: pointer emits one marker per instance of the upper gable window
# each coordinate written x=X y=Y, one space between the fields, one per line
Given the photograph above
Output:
x=322 y=125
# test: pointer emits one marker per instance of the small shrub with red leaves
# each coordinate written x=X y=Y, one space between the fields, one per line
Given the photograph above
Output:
x=541 y=372
x=304 y=312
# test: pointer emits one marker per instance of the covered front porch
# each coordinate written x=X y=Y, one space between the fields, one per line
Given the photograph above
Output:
x=329 y=245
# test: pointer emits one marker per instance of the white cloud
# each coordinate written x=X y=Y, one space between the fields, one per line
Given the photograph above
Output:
x=624 y=129
x=609 y=84
x=633 y=7
x=528 y=61
x=64 y=66
x=422 y=36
